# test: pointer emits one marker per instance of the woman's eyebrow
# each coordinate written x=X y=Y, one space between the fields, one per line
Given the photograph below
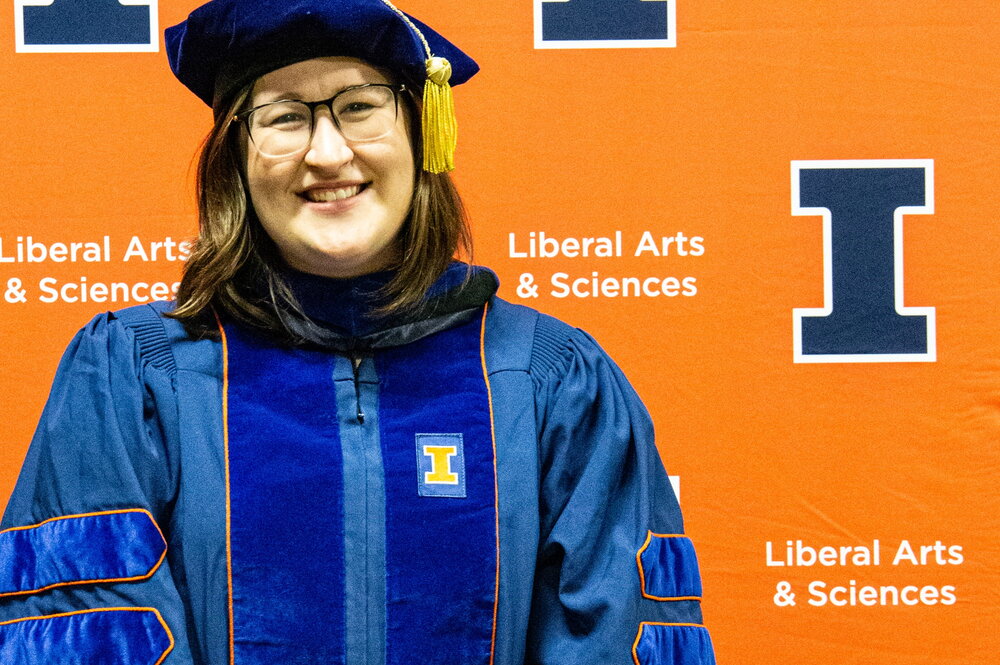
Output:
x=267 y=98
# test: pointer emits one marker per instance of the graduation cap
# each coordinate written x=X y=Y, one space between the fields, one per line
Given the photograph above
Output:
x=226 y=44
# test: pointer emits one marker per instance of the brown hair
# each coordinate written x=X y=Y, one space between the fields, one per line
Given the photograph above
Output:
x=235 y=267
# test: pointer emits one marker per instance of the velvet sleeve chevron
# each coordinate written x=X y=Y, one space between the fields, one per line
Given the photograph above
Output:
x=603 y=594
x=85 y=565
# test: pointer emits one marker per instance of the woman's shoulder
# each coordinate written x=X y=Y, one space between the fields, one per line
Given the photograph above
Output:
x=573 y=380
x=522 y=338
x=145 y=337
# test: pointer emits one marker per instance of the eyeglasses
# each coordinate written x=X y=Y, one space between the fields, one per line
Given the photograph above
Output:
x=285 y=127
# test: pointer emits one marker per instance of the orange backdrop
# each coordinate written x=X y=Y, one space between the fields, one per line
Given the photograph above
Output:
x=693 y=142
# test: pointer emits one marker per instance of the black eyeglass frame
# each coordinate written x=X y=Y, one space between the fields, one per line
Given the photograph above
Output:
x=397 y=89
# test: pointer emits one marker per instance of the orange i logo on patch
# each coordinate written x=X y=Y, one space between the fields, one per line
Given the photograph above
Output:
x=440 y=465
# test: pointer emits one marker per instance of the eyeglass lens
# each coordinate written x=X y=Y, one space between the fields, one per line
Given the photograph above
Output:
x=364 y=113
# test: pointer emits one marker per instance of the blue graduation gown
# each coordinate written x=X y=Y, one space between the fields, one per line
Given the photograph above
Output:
x=122 y=503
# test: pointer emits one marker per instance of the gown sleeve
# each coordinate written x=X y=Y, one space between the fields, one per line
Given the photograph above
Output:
x=85 y=571
x=617 y=582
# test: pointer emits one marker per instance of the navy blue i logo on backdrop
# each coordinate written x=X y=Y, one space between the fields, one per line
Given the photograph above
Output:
x=605 y=23
x=86 y=26
x=863 y=318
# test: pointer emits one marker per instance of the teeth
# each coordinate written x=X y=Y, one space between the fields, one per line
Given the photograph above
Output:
x=324 y=195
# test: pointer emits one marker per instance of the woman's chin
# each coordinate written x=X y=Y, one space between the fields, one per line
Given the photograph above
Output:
x=341 y=262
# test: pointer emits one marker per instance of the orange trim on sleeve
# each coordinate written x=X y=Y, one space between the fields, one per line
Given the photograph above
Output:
x=496 y=481
x=643 y=624
x=642 y=574
x=159 y=617
x=225 y=452
x=103 y=580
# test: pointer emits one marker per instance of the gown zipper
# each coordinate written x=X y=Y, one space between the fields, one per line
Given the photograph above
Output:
x=356 y=366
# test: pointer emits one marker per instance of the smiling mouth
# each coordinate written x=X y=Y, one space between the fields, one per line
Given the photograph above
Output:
x=328 y=195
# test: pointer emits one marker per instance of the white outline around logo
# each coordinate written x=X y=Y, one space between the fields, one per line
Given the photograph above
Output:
x=897 y=242
x=152 y=46
x=670 y=42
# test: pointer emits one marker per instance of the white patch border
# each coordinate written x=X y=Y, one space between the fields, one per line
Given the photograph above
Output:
x=670 y=42
x=797 y=166
x=152 y=46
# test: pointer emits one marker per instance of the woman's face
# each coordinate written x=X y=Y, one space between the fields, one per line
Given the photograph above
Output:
x=336 y=208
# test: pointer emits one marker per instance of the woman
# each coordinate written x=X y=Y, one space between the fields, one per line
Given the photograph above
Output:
x=339 y=446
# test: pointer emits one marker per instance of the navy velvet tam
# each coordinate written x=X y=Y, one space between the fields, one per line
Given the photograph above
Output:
x=225 y=44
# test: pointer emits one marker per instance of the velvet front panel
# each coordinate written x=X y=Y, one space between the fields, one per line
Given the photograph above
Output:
x=441 y=551
x=286 y=505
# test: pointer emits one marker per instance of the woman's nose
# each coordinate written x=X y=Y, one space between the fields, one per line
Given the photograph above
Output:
x=327 y=148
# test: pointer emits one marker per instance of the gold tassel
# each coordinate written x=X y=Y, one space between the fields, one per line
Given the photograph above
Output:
x=440 y=129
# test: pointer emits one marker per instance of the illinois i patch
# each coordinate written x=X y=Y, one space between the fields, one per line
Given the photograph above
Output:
x=440 y=465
